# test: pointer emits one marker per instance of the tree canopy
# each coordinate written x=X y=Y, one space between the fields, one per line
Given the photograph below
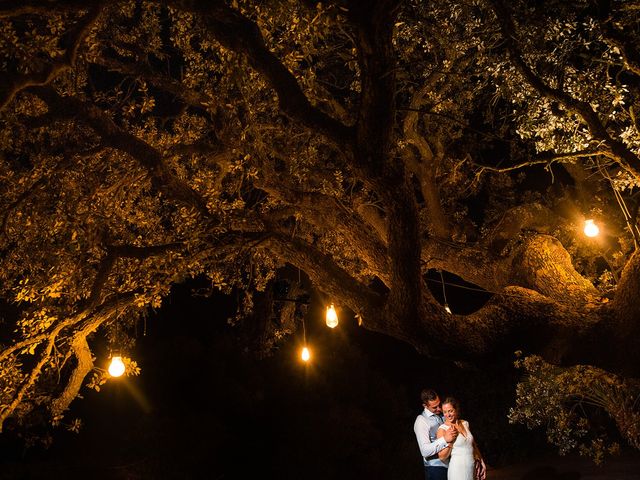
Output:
x=366 y=144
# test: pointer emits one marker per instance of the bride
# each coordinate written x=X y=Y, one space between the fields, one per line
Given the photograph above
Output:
x=465 y=462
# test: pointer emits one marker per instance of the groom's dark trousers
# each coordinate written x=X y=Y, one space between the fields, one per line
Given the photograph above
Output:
x=435 y=473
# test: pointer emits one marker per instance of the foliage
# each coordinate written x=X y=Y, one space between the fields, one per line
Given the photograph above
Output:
x=567 y=401
x=99 y=376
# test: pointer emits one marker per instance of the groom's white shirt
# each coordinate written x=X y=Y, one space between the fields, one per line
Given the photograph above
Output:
x=425 y=428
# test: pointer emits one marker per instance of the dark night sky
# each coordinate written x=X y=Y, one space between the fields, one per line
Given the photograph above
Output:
x=203 y=409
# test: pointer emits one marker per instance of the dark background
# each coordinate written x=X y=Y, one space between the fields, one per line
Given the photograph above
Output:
x=205 y=408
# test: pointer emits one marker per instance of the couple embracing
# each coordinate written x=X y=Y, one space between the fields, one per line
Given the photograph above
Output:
x=446 y=443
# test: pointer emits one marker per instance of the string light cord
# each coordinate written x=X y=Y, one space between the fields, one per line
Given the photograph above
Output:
x=444 y=293
x=627 y=215
x=623 y=207
x=304 y=332
x=117 y=315
x=450 y=284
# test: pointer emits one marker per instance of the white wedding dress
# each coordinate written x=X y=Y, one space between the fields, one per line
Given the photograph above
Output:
x=461 y=462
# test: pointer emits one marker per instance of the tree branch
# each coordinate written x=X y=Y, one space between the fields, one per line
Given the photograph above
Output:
x=243 y=36
x=14 y=8
x=629 y=52
x=618 y=151
x=104 y=269
x=327 y=213
x=545 y=158
x=191 y=97
x=374 y=22
x=425 y=166
x=123 y=251
x=376 y=115
x=518 y=318
x=93 y=319
x=326 y=275
x=37 y=368
x=84 y=365
x=147 y=156
x=625 y=302
x=12 y=84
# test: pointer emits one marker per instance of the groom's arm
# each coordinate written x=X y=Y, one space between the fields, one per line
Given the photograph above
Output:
x=427 y=447
x=446 y=451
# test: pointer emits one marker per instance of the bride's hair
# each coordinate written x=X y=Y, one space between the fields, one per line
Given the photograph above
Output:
x=455 y=403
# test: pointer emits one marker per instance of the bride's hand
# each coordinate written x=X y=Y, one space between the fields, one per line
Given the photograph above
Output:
x=480 y=470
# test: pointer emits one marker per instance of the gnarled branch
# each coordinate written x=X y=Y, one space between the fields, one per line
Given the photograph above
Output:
x=12 y=84
x=243 y=36
x=114 y=136
x=617 y=149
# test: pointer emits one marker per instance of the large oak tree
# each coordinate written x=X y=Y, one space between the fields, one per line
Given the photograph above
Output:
x=367 y=144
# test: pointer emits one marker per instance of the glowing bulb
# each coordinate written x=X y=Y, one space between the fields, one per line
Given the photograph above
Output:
x=590 y=228
x=446 y=308
x=332 y=317
x=116 y=368
x=306 y=355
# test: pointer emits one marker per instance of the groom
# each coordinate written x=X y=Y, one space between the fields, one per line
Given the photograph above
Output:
x=425 y=428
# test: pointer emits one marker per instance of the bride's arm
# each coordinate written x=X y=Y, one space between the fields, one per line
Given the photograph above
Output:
x=481 y=468
x=446 y=451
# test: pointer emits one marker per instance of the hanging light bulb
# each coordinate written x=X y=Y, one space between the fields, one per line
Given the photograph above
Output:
x=116 y=368
x=446 y=308
x=590 y=228
x=305 y=355
x=332 y=317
